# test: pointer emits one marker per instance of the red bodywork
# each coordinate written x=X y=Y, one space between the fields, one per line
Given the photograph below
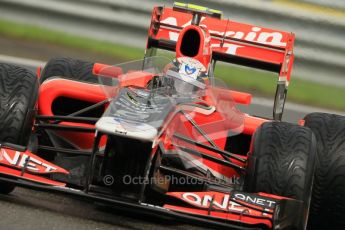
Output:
x=229 y=41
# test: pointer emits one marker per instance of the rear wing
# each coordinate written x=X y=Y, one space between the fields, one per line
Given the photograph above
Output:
x=231 y=41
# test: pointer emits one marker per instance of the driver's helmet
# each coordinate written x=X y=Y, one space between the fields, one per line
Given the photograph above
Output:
x=188 y=75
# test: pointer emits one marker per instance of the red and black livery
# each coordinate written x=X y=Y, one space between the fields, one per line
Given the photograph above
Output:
x=55 y=136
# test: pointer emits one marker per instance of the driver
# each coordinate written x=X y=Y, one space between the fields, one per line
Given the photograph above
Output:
x=188 y=75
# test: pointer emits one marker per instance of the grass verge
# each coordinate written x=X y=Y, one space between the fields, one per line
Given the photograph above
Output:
x=15 y=30
x=244 y=79
x=300 y=91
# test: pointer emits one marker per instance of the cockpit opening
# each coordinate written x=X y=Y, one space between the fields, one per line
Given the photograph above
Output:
x=190 y=43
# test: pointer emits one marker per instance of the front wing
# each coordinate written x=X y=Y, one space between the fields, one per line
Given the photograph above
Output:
x=234 y=209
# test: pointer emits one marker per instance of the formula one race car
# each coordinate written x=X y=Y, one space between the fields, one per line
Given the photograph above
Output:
x=164 y=136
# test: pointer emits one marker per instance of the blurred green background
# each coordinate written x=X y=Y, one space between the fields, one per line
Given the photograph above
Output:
x=302 y=90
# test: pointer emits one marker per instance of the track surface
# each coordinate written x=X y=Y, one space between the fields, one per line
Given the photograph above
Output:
x=32 y=210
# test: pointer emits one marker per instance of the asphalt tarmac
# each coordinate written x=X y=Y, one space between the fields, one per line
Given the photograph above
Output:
x=26 y=209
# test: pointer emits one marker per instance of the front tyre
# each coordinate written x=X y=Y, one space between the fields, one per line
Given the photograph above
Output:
x=327 y=208
x=282 y=162
x=18 y=96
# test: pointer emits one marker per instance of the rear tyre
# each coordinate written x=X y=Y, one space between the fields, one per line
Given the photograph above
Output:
x=69 y=68
x=327 y=208
x=18 y=96
x=282 y=162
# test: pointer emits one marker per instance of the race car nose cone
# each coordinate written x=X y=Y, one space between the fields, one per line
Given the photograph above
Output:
x=130 y=129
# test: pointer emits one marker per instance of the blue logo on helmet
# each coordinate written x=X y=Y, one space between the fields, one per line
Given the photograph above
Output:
x=189 y=69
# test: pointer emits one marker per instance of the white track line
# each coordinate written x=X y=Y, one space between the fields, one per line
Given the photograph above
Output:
x=257 y=101
x=294 y=107
x=21 y=61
